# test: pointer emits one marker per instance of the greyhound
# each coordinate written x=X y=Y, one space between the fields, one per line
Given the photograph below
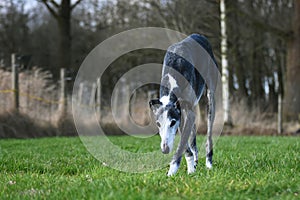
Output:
x=182 y=85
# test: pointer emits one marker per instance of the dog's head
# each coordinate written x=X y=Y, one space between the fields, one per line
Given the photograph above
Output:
x=167 y=117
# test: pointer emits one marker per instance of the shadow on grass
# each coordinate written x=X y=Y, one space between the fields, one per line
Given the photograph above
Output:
x=19 y=125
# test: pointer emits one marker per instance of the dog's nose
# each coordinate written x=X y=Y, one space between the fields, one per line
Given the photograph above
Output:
x=165 y=149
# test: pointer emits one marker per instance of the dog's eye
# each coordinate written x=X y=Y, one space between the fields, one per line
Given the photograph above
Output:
x=158 y=124
x=173 y=122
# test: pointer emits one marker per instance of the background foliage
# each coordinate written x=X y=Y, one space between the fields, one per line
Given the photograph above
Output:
x=262 y=41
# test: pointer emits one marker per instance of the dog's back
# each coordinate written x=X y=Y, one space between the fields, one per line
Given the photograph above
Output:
x=179 y=69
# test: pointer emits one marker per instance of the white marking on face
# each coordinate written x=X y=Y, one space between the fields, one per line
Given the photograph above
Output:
x=166 y=132
x=163 y=130
x=173 y=82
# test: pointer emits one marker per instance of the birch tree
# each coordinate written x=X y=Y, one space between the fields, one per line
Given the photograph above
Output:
x=224 y=63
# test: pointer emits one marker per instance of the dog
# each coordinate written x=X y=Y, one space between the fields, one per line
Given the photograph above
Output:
x=189 y=68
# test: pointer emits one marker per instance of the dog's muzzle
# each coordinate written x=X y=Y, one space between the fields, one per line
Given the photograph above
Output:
x=165 y=149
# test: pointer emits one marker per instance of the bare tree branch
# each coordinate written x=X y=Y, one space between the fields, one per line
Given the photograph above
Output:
x=266 y=26
x=270 y=28
x=54 y=3
x=161 y=14
x=75 y=4
x=51 y=10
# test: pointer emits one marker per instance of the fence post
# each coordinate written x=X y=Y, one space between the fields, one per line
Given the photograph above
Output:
x=115 y=100
x=93 y=102
x=281 y=78
x=279 y=117
x=80 y=93
x=125 y=99
x=63 y=96
x=15 y=83
x=98 y=99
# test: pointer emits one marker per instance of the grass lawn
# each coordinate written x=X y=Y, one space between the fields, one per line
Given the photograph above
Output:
x=61 y=168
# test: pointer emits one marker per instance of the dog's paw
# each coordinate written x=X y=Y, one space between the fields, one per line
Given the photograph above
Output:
x=208 y=164
x=173 y=169
x=191 y=164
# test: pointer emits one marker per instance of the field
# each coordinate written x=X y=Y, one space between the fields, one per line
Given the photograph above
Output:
x=61 y=168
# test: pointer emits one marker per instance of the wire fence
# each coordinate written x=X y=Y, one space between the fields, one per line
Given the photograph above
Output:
x=34 y=94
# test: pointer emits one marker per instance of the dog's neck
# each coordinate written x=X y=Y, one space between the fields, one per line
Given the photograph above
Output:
x=167 y=90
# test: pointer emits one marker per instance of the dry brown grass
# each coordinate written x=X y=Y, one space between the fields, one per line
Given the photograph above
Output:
x=39 y=113
x=38 y=110
x=251 y=121
x=247 y=121
x=19 y=125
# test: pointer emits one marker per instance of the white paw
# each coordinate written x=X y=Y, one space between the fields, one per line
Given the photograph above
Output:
x=173 y=169
x=208 y=164
x=191 y=166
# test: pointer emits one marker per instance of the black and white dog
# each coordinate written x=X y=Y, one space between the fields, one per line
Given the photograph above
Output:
x=189 y=66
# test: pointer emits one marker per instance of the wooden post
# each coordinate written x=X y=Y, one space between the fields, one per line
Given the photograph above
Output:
x=93 y=95
x=63 y=100
x=115 y=100
x=80 y=93
x=98 y=102
x=280 y=80
x=15 y=83
x=279 y=117
x=125 y=99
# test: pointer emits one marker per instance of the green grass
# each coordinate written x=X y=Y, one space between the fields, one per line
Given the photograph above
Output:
x=61 y=168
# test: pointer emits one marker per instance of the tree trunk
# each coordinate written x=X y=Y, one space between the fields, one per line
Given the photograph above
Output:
x=62 y=14
x=236 y=55
x=292 y=83
x=225 y=71
x=241 y=78
x=257 y=67
x=64 y=25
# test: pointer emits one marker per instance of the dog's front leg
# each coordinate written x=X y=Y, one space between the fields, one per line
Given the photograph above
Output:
x=188 y=119
x=191 y=154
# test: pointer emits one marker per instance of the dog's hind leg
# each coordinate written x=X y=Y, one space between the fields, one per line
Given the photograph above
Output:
x=193 y=144
x=188 y=119
x=210 y=121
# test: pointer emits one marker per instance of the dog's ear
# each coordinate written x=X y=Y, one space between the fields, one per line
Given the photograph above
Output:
x=154 y=104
